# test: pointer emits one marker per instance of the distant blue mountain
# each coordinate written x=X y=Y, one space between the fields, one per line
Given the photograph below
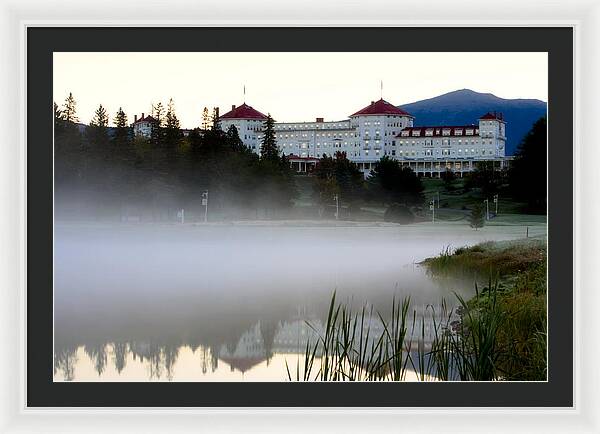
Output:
x=464 y=107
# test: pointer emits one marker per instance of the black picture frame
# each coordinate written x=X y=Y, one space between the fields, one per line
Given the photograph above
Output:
x=43 y=392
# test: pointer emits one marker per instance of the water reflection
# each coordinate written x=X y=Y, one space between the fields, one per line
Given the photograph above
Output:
x=225 y=304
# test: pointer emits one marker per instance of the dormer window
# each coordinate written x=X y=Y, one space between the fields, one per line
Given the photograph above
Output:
x=446 y=132
x=429 y=132
x=416 y=133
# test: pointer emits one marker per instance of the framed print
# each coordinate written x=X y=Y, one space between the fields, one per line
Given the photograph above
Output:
x=211 y=203
x=270 y=221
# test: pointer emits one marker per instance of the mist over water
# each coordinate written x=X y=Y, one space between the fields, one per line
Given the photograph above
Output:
x=230 y=295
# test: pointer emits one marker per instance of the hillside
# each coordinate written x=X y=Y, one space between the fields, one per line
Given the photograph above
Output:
x=464 y=107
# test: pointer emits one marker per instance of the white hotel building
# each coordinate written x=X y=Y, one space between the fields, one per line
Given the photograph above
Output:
x=379 y=129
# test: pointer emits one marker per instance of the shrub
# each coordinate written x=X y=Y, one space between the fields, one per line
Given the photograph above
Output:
x=397 y=213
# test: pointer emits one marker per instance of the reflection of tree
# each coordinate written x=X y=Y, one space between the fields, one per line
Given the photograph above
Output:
x=64 y=361
x=155 y=359
x=98 y=355
x=204 y=359
x=120 y=355
x=170 y=355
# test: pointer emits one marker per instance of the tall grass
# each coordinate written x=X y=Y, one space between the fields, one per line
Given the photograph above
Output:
x=463 y=343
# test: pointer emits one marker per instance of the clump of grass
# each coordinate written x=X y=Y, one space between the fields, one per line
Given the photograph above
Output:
x=491 y=258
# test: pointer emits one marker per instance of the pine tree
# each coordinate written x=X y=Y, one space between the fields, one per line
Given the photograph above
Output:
x=59 y=123
x=69 y=111
x=268 y=147
x=122 y=129
x=233 y=138
x=172 y=127
x=216 y=124
x=205 y=119
x=98 y=129
x=157 y=130
x=476 y=218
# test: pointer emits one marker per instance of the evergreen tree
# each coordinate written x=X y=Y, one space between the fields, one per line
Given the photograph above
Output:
x=98 y=129
x=67 y=148
x=122 y=133
x=158 y=111
x=268 y=147
x=216 y=124
x=172 y=128
x=205 y=119
x=476 y=218
x=69 y=111
x=528 y=172
x=59 y=123
x=233 y=138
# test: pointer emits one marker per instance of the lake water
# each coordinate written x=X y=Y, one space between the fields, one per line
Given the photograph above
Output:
x=229 y=302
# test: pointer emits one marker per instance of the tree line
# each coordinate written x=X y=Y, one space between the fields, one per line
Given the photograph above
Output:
x=102 y=170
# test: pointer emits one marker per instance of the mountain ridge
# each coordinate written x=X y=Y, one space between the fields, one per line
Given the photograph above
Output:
x=466 y=106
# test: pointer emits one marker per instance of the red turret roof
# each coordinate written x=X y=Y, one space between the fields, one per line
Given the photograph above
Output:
x=146 y=119
x=493 y=116
x=381 y=107
x=243 y=112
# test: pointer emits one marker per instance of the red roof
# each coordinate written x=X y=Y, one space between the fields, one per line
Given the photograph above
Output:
x=438 y=131
x=146 y=119
x=494 y=116
x=381 y=107
x=243 y=112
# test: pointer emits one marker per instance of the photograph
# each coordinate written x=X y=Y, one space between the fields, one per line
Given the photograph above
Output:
x=289 y=216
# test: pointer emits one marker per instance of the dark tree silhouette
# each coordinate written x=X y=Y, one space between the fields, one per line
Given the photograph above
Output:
x=122 y=134
x=268 y=147
x=528 y=172
x=391 y=183
x=476 y=218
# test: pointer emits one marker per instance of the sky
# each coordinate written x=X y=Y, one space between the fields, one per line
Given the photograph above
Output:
x=291 y=87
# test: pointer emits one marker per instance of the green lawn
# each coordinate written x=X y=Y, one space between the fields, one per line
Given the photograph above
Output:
x=454 y=205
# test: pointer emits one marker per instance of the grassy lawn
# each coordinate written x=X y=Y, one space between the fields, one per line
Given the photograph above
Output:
x=454 y=205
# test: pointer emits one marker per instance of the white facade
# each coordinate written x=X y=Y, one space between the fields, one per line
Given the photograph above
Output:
x=248 y=122
x=143 y=127
x=315 y=139
x=381 y=129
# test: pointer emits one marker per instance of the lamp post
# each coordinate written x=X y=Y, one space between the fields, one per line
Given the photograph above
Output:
x=496 y=203
x=205 y=203
x=432 y=208
x=337 y=206
x=487 y=209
